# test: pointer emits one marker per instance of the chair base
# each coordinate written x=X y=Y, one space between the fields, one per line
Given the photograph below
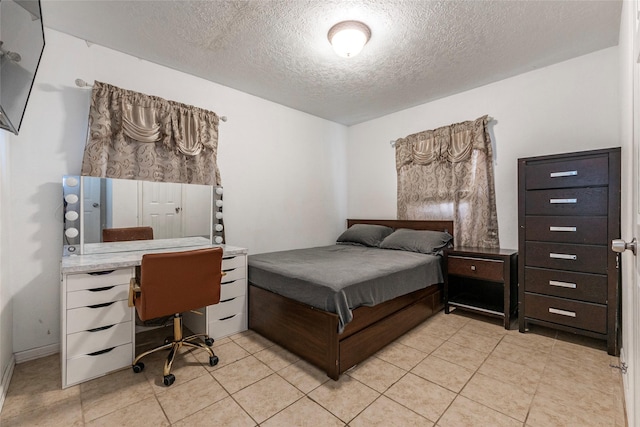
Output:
x=174 y=346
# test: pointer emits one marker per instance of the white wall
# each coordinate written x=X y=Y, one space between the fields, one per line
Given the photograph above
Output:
x=570 y=106
x=283 y=170
x=6 y=304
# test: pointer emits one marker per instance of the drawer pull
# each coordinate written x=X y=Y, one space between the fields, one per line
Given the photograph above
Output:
x=552 y=228
x=563 y=256
x=103 y=328
x=561 y=174
x=226 y=300
x=98 y=353
x=562 y=201
x=473 y=268
x=106 y=288
x=562 y=284
x=106 y=304
x=101 y=273
x=562 y=312
x=229 y=317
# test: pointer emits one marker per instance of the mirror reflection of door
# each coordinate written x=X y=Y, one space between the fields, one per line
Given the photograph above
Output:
x=161 y=208
x=121 y=204
x=92 y=203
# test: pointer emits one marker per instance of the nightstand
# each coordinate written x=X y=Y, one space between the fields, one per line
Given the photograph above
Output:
x=483 y=280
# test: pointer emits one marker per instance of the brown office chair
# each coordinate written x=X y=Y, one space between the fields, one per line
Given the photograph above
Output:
x=126 y=234
x=171 y=283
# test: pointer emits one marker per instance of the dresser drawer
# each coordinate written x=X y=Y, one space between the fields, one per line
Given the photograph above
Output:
x=567 y=229
x=233 y=289
x=234 y=274
x=228 y=307
x=228 y=326
x=237 y=261
x=76 y=282
x=568 y=173
x=583 y=315
x=566 y=284
x=582 y=258
x=485 y=269
x=85 y=367
x=85 y=318
x=98 y=339
x=568 y=201
x=97 y=296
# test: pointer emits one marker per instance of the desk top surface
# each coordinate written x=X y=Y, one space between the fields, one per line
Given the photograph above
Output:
x=129 y=254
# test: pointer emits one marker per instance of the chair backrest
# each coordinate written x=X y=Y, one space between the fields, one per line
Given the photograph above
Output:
x=126 y=234
x=175 y=282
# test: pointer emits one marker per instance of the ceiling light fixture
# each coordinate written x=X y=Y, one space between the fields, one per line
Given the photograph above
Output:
x=349 y=37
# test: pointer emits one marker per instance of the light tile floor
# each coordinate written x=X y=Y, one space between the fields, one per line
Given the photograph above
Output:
x=453 y=370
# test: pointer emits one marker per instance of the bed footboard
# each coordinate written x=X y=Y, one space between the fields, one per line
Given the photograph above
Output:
x=312 y=334
x=307 y=332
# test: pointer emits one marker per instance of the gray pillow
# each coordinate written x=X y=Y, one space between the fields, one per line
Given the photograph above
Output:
x=423 y=241
x=365 y=234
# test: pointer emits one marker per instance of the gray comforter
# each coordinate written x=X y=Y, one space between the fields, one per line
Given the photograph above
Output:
x=340 y=278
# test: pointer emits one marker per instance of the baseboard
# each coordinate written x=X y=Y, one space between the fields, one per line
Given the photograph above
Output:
x=627 y=387
x=6 y=380
x=37 y=353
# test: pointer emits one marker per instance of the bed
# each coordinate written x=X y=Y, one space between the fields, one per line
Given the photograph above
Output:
x=332 y=340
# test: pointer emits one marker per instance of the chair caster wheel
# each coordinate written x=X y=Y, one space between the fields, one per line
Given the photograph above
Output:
x=169 y=379
x=138 y=367
x=209 y=341
x=213 y=360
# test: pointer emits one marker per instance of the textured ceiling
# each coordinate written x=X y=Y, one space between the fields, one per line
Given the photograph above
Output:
x=278 y=50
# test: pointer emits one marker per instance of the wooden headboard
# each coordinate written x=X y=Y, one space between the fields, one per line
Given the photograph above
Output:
x=436 y=225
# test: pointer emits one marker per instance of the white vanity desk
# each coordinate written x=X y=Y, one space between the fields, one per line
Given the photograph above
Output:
x=98 y=326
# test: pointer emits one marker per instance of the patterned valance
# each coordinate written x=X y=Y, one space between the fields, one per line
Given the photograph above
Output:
x=452 y=144
x=143 y=137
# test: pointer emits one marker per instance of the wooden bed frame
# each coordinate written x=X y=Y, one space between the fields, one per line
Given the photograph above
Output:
x=312 y=334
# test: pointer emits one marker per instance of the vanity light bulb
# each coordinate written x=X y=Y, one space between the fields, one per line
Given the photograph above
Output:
x=71 y=198
x=219 y=203
x=71 y=232
x=219 y=227
x=71 y=181
x=218 y=239
x=218 y=215
x=218 y=190
x=71 y=215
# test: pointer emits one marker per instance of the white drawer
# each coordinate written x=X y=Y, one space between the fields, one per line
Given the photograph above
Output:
x=95 y=296
x=85 y=318
x=233 y=289
x=87 y=366
x=237 y=261
x=98 y=339
x=77 y=282
x=234 y=274
x=228 y=308
x=228 y=326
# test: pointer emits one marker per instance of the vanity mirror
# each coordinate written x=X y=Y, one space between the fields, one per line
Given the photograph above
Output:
x=172 y=210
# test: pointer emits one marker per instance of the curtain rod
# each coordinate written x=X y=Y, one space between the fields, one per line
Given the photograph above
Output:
x=82 y=83
x=393 y=141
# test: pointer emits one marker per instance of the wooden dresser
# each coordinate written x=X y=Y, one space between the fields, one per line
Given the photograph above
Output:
x=568 y=213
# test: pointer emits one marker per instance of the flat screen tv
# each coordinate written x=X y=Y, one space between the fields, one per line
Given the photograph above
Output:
x=21 y=47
